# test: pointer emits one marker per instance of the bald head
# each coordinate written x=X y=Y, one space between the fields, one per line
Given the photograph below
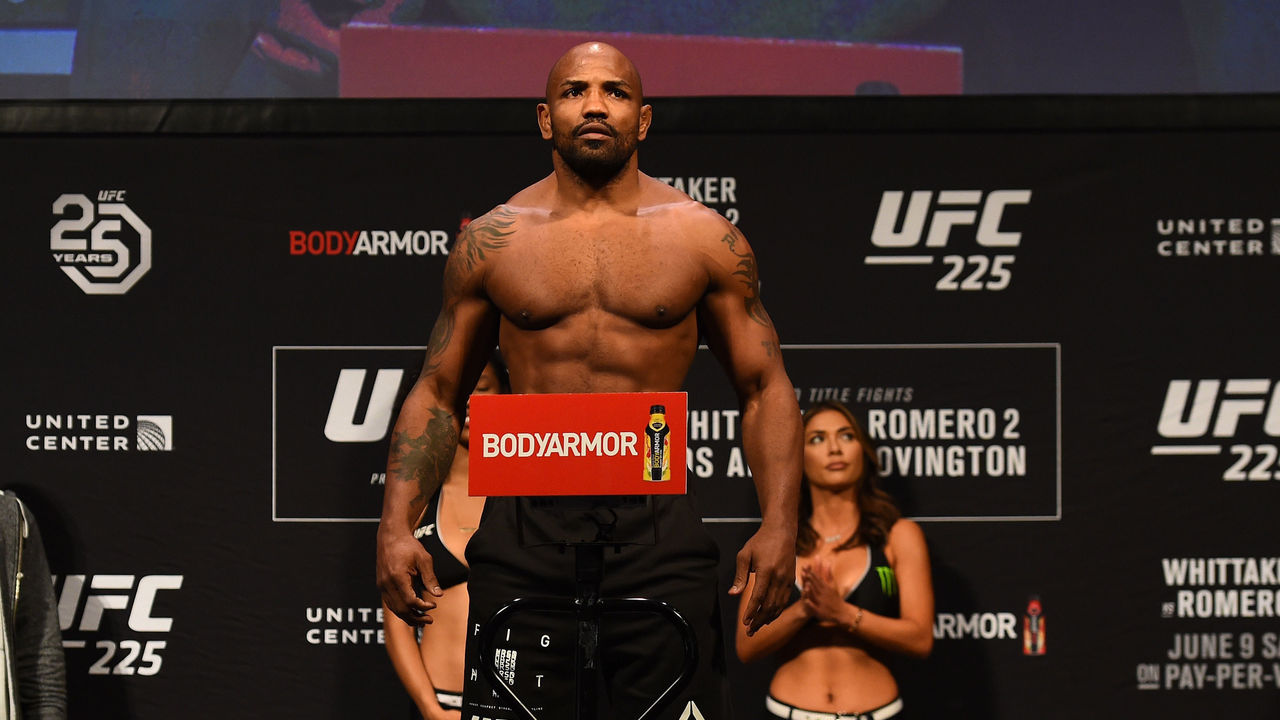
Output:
x=593 y=55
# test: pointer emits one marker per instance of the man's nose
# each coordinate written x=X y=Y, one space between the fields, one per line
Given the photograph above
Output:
x=595 y=107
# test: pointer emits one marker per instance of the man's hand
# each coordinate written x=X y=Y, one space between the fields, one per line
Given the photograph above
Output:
x=770 y=554
x=402 y=564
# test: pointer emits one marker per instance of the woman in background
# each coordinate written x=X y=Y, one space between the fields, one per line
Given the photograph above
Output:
x=863 y=590
x=430 y=665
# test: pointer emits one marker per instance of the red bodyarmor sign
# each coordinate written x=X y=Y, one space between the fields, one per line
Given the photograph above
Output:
x=578 y=444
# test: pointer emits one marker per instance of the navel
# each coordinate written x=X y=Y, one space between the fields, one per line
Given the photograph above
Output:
x=662 y=310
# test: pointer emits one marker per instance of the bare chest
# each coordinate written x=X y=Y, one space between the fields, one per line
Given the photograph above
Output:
x=848 y=567
x=636 y=270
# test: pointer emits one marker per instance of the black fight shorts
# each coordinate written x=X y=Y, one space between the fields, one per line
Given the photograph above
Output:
x=668 y=556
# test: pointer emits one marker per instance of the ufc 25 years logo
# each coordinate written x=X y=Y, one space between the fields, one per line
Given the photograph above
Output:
x=900 y=238
x=128 y=604
x=88 y=244
x=1198 y=417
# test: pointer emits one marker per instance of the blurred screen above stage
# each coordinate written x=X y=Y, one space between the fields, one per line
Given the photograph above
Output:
x=387 y=61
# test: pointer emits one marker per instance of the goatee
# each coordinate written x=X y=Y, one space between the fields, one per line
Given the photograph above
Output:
x=595 y=161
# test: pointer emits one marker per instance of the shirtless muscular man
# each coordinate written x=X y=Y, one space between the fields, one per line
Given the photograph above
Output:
x=598 y=278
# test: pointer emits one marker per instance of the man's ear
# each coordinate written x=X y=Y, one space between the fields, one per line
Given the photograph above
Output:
x=646 y=117
x=544 y=120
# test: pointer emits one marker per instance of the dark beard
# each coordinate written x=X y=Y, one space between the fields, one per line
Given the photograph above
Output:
x=596 y=162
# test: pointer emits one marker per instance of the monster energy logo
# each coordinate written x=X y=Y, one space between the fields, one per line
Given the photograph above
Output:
x=888 y=581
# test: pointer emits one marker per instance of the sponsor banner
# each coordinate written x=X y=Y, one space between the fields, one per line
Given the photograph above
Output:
x=1029 y=628
x=720 y=193
x=98 y=433
x=1236 y=421
x=334 y=408
x=1221 y=631
x=116 y=624
x=974 y=235
x=104 y=247
x=578 y=444
x=964 y=432
x=372 y=243
x=329 y=626
x=1217 y=237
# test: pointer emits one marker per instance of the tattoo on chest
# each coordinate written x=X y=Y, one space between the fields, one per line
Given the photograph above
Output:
x=425 y=459
x=749 y=276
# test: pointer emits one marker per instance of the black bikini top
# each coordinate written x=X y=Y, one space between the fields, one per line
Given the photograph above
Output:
x=449 y=570
x=876 y=591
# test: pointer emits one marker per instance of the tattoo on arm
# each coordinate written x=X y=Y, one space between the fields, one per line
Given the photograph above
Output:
x=750 y=277
x=485 y=234
x=441 y=334
x=425 y=459
x=771 y=348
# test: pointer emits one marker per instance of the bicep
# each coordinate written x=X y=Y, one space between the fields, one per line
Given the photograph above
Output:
x=463 y=335
x=732 y=315
x=461 y=341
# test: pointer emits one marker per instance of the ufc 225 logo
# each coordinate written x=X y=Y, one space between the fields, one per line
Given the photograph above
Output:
x=1198 y=417
x=104 y=248
x=909 y=235
x=128 y=603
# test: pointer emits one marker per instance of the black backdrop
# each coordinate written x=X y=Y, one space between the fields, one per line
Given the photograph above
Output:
x=1074 y=388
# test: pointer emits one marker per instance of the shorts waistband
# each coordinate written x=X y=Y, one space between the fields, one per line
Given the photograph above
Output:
x=783 y=710
x=449 y=700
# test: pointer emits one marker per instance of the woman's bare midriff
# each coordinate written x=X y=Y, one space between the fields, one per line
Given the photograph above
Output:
x=831 y=675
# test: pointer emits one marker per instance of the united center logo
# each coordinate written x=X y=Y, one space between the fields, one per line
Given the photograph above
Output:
x=1213 y=417
x=934 y=219
x=100 y=432
x=105 y=248
x=1201 y=237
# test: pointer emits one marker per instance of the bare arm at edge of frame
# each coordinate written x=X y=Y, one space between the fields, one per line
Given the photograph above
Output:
x=740 y=333
x=425 y=436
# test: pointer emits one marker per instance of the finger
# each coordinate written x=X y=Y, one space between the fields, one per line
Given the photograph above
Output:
x=758 y=616
x=741 y=571
x=404 y=602
x=427 y=574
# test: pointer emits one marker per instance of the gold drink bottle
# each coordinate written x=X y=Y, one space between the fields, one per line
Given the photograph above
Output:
x=657 y=446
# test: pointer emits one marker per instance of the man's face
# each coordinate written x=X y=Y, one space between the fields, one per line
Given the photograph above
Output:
x=593 y=115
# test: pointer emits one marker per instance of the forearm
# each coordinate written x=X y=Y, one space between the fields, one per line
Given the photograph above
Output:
x=771 y=438
x=406 y=658
x=900 y=635
x=421 y=451
x=772 y=637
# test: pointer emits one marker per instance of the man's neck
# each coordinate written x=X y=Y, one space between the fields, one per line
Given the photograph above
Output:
x=621 y=193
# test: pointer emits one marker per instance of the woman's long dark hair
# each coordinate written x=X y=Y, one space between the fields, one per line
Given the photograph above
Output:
x=876 y=509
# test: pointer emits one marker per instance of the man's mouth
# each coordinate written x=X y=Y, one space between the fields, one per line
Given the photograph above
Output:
x=595 y=131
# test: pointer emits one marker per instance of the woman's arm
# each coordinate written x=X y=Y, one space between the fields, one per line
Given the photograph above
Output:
x=912 y=632
x=402 y=647
x=769 y=638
